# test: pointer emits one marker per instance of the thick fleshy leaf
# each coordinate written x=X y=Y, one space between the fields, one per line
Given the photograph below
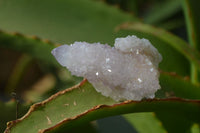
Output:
x=62 y=21
x=174 y=85
x=39 y=49
x=145 y=122
x=25 y=41
x=64 y=104
x=81 y=104
x=33 y=46
x=191 y=9
x=9 y=111
x=42 y=19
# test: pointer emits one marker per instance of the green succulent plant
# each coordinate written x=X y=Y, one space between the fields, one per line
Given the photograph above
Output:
x=55 y=101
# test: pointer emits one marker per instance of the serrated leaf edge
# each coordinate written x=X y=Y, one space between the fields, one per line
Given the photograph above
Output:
x=37 y=105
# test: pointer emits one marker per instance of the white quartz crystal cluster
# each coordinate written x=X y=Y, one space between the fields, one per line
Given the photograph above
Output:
x=127 y=71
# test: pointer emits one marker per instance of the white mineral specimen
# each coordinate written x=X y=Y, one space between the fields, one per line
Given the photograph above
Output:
x=127 y=71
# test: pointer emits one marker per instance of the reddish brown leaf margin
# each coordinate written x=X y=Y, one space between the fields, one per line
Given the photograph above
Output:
x=35 y=106
x=101 y=111
x=123 y=108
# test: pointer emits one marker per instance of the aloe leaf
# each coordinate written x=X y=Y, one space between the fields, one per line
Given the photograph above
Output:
x=33 y=52
x=10 y=109
x=191 y=10
x=82 y=104
x=145 y=122
x=62 y=21
x=180 y=45
x=34 y=46
x=39 y=49
x=67 y=104
x=174 y=85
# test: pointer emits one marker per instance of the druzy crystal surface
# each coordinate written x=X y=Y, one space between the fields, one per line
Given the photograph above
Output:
x=127 y=71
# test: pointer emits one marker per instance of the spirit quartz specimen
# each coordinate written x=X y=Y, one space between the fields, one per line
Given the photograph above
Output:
x=127 y=71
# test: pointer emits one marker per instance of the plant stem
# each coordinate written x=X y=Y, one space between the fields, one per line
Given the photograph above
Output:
x=190 y=8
